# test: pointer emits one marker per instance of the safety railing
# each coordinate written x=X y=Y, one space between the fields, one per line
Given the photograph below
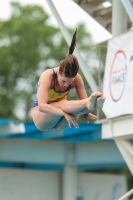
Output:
x=126 y=195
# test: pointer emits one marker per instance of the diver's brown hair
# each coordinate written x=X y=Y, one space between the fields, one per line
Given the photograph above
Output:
x=69 y=66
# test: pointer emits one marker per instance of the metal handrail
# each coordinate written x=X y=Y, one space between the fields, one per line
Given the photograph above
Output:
x=126 y=195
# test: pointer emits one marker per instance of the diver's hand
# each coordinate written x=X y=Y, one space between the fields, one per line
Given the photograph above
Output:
x=89 y=116
x=71 y=120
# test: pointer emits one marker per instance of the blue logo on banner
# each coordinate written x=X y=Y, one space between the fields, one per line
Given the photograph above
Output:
x=131 y=58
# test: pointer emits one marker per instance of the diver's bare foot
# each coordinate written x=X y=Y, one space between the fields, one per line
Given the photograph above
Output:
x=99 y=102
x=91 y=101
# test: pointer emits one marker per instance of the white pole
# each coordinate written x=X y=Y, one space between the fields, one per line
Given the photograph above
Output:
x=127 y=154
x=128 y=7
x=67 y=37
x=69 y=183
x=119 y=18
x=126 y=195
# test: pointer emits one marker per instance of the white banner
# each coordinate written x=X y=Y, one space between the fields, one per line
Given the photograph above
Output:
x=101 y=186
x=118 y=78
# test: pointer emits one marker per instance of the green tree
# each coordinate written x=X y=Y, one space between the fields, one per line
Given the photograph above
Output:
x=28 y=46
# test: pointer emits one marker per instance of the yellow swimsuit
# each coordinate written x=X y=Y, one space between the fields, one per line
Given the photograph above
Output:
x=53 y=95
x=56 y=96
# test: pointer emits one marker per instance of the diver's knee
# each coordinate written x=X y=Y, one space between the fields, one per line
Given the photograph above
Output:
x=43 y=128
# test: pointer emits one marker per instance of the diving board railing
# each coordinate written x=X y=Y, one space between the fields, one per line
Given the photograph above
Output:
x=126 y=195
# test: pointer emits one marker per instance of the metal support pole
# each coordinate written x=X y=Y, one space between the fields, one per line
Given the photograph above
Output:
x=69 y=181
x=67 y=37
x=126 y=150
x=128 y=7
x=119 y=18
x=126 y=195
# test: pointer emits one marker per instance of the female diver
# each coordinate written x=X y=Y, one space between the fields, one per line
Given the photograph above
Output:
x=51 y=109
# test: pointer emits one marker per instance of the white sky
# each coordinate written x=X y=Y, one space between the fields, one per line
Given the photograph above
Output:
x=70 y=13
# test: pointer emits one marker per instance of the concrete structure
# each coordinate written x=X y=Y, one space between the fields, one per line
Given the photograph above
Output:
x=25 y=184
x=103 y=12
x=68 y=152
x=82 y=148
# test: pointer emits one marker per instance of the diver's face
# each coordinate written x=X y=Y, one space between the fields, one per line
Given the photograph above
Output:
x=64 y=82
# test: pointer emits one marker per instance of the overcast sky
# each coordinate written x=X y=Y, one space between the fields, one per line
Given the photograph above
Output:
x=70 y=13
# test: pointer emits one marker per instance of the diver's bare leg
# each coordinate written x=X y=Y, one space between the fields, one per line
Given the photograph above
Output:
x=44 y=121
x=62 y=124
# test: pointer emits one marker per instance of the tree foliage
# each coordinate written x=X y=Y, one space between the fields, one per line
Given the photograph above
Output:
x=28 y=46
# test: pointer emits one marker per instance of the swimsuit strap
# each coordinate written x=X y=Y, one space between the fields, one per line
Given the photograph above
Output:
x=54 y=76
